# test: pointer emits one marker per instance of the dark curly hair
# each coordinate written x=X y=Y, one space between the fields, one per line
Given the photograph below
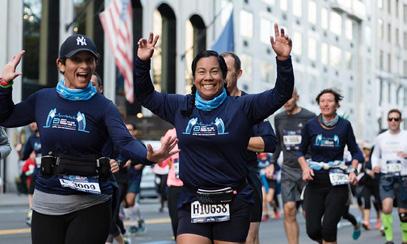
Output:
x=337 y=95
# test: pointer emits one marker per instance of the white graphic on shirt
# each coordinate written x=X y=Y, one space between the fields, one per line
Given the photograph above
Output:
x=68 y=122
x=196 y=128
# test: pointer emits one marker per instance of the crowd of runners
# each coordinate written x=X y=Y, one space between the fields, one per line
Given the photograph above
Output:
x=226 y=165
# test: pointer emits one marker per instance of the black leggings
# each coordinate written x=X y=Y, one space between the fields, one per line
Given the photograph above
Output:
x=87 y=226
x=370 y=190
x=324 y=206
x=350 y=217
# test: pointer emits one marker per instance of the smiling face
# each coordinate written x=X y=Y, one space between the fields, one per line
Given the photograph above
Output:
x=78 y=69
x=208 y=78
x=327 y=104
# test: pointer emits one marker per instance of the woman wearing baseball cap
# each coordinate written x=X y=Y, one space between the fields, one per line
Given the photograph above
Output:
x=72 y=197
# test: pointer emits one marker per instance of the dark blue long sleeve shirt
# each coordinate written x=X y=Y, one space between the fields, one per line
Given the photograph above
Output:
x=74 y=128
x=329 y=144
x=214 y=143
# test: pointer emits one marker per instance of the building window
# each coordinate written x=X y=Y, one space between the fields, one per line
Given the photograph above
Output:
x=297 y=39
x=380 y=4
x=368 y=35
x=324 y=18
x=312 y=12
x=246 y=24
x=269 y=2
x=312 y=48
x=405 y=67
x=381 y=29
x=389 y=6
x=284 y=5
x=297 y=8
x=335 y=56
x=405 y=40
x=389 y=62
x=405 y=14
x=389 y=32
x=266 y=72
x=348 y=29
x=266 y=27
x=247 y=65
x=397 y=37
x=381 y=60
x=336 y=23
x=348 y=60
x=397 y=8
x=324 y=53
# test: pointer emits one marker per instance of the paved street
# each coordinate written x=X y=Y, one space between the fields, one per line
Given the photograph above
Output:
x=13 y=229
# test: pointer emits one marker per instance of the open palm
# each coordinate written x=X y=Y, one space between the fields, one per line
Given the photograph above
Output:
x=146 y=47
x=9 y=70
x=281 y=43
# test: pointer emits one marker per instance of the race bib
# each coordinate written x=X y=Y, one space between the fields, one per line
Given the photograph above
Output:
x=292 y=139
x=176 y=168
x=393 y=166
x=206 y=213
x=80 y=183
x=338 y=178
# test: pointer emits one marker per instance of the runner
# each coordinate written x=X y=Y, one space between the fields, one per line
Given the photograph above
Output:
x=289 y=125
x=214 y=131
x=262 y=140
x=389 y=160
x=327 y=193
x=72 y=197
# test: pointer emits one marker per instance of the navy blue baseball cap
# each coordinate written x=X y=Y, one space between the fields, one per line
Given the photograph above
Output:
x=77 y=43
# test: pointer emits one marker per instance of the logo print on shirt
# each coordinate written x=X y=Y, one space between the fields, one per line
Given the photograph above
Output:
x=80 y=40
x=196 y=128
x=68 y=122
x=327 y=141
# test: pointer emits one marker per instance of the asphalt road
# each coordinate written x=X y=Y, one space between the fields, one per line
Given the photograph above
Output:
x=158 y=231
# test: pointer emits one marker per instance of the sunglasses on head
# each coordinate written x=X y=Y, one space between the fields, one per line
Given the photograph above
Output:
x=393 y=119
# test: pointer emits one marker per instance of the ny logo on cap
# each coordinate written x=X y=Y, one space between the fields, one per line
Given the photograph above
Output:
x=80 y=40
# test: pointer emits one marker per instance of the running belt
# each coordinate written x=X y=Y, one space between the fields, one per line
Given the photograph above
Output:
x=338 y=164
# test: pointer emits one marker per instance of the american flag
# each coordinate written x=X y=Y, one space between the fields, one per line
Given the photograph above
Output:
x=117 y=24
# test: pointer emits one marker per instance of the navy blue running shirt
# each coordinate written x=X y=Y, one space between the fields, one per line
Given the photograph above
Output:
x=214 y=143
x=329 y=144
x=74 y=128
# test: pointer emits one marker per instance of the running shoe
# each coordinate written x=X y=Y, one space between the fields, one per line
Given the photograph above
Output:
x=357 y=231
x=378 y=224
x=132 y=230
x=366 y=225
x=126 y=240
x=28 y=217
x=141 y=226
x=277 y=214
x=264 y=218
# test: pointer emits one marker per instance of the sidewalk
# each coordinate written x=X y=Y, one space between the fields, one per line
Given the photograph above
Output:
x=12 y=199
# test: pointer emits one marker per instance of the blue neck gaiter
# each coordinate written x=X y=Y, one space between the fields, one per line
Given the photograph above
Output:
x=75 y=94
x=210 y=105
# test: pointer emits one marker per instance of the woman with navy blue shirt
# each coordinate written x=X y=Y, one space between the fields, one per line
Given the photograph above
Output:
x=72 y=197
x=213 y=130
x=327 y=193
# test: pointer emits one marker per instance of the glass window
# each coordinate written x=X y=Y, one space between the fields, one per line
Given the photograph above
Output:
x=189 y=54
x=335 y=56
x=312 y=12
x=266 y=71
x=266 y=27
x=381 y=28
x=284 y=5
x=297 y=8
x=405 y=70
x=157 y=58
x=336 y=23
x=246 y=24
x=312 y=48
x=368 y=35
x=348 y=60
x=324 y=53
x=246 y=66
x=405 y=14
x=350 y=94
x=381 y=60
x=389 y=32
x=380 y=3
x=348 y=29
x=389 y=62
x=405 y=40
x=324 y=18
x=270 y=2
x=397 y=37
x=397 y=8
x=297 y=39
x=389 y=6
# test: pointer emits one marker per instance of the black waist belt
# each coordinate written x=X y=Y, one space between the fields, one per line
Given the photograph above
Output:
x=68 y=165
x=212 y=195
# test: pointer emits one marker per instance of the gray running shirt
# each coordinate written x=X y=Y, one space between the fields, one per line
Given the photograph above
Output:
x=288 y=131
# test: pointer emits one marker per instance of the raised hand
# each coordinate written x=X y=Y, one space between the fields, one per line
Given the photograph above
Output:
x=165 y=151
x=146 y=47
x=281 y=43
x=9 y=70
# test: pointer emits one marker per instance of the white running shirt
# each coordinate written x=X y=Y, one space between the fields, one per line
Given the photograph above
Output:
x=385 y=151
